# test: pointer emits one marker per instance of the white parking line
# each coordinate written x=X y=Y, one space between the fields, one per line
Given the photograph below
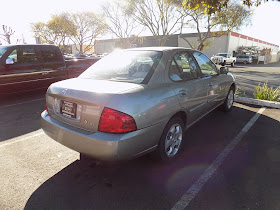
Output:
x=190 y=194
x=21 y=103
x=21 y=139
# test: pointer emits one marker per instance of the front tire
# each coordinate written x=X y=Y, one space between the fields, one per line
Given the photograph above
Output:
x=227 y=105
x=170 y=144
x=232 y=64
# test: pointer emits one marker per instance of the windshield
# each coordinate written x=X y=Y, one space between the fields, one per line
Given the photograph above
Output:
x=2 y=50
x=123 y=66
x=222 y=54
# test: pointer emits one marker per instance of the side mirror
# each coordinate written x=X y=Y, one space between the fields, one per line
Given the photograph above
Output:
x=223 y=70
x=9 y=61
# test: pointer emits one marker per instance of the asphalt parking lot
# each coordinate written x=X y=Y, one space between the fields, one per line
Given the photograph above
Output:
x=231 y=161
x=248 y=76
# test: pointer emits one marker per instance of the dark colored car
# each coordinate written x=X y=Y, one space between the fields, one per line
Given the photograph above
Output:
x=29 y=67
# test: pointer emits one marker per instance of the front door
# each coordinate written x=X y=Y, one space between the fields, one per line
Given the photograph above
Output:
x=23 y=74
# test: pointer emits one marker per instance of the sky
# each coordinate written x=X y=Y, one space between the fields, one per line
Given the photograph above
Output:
x=20 y=14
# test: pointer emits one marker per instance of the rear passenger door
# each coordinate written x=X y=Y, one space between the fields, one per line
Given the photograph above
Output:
x=24 y=73
x=53 y=65
x=184 y=74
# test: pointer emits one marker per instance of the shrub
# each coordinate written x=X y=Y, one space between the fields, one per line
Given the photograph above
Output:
x=238 y=92
x=267 y=93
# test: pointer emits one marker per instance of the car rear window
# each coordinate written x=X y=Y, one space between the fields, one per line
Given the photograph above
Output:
x=124 y=66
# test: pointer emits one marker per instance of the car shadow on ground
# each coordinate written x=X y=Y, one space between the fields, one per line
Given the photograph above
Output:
x=144 y=183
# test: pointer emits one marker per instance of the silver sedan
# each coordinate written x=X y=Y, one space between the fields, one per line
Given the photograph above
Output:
x=136 y=101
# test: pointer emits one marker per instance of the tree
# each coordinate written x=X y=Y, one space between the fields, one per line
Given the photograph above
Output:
x=208 y=25
x=55 y=31
x=212 y=6
x=7 y=33
x=63 y=27
x=120 y=22
x=89 y=26
x=159 y=16
x=43 y=31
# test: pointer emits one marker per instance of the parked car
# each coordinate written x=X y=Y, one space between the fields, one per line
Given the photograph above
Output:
x=244 y=59
x=224 y=59
x=136 y=101
x=29 y=67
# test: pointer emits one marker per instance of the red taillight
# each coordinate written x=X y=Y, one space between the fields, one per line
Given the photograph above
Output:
x=112 y=121
x=46 y=103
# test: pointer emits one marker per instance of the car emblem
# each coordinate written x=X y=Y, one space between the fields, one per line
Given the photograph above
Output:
x=64 y=91
x=89 y=123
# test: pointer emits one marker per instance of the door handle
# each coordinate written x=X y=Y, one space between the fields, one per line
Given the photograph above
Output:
x=182 y=93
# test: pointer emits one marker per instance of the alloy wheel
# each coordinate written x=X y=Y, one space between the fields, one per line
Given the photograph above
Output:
x=173 y=140
x=230 y=99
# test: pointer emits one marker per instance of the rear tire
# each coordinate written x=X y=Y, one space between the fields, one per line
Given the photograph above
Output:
x=232 y=64
x=227 y=105
x=171 y=141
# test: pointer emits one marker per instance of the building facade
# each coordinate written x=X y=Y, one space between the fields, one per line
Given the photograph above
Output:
x=230 y=42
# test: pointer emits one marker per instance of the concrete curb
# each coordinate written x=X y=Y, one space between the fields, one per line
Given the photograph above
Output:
x=270 y=104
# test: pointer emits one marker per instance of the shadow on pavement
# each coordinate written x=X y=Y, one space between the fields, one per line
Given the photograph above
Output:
x=145 y=184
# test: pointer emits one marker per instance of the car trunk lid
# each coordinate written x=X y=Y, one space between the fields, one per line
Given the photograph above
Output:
x=80 y=102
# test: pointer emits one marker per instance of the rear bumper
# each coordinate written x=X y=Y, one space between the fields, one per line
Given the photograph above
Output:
x=103 y=146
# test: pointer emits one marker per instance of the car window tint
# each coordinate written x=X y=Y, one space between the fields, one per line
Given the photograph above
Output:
x=49 y=55
x=24 y=56
x=207 y=67
x=186 y=65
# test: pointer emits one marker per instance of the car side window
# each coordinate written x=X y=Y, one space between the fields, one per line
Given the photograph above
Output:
x=207 y=67
x=13 y=56
x=49 y=55
x=183 y=67
x=24 y=56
